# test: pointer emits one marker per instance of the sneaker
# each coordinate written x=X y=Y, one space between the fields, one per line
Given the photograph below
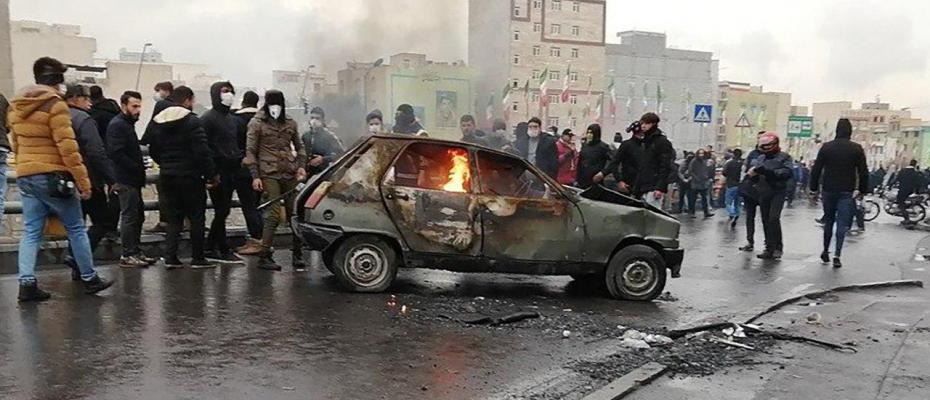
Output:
x=173 y=263
x=148 y=260
x=75 y=271
x=159 y=228
x=748 y=247
x=248 y=242
x=253 y=249
x=709 y=215
x=837 y=263
x=96 y=285
x=132 y=262
x=31 y=292
x=202 y=264
x=825 y=257
x=769 y=255
x=733 y=222
x=223 y=257
x=267 y=263
x=818 y=221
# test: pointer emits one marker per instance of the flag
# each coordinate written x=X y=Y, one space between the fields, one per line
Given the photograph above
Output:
x=505 y=95
x=599 y=109
x=489 y=112
x=645 y=95
x=586 y=111
x=612 y=92
x=543 y=83
x=526 y=97
x=566 y=84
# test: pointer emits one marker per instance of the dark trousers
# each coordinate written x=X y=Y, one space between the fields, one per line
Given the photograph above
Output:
x=113 y=211
x=903 y=206
x=185 y=197
x=132 y=215
x=221 y=196
x=838 y=208
x=97 y=208
x=751 y=206
x=770 y=211
x=684 y=194
x=705 y=200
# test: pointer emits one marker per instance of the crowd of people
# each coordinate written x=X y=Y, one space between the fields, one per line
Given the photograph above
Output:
x=78 y=156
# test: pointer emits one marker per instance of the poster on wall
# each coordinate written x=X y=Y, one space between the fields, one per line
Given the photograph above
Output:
x=447 y=109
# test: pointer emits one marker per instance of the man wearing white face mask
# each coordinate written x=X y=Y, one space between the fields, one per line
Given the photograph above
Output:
x=539 y=149
x=222 y=136
x=322 y=146
x=375 y=121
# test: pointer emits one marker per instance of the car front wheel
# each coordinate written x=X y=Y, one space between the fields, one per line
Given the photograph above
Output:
x=365 y=263
x=636 y=272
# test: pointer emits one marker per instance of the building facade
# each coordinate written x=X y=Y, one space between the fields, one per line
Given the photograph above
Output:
x=539 y=48
x=889 y=136
x=744 y=110
x=6 y=57
x=298 y=86
x=650 y=77
x=32 y=40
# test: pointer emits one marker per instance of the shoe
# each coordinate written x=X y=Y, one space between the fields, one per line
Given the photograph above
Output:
x=96 y=285
x=776 y=255
x=253 y=249
x=173 y=263
x=75 y=271
x=202 y=264
x=837 y=263
x=148 y=260
x=267 y=263
x=132 y=262
x=159 y=228
x=825 y=257
x=748 y=247
x=819 y=221
x=767 y=255
x=708 y=215
x=248 y=242
x=226 y=257
x=733 y=222
x=31 y=292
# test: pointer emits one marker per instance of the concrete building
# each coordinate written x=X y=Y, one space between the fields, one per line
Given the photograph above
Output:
x=32 y=40
x=6 y=57
x=298 y=84
x=440 y=92
x=889 y=136
x=744 y=110
x=651 y=77
x=515 y=42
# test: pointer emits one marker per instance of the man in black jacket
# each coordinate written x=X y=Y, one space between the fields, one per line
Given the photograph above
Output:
x=103 y=111
x=123 y=149
x=841 y=162
x=222 y=130
x=161 y=96
x=595 y=155
x=733 y=172
x=471 y=133
x=248 y=198
x=909 y=181
x=321 y=145
x=179 y=146
x=99 y=168
x=655 y=170
x=624 y=165
x=539 y=148
x=405 y=122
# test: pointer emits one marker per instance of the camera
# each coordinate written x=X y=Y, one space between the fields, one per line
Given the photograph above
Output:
x=635 y=127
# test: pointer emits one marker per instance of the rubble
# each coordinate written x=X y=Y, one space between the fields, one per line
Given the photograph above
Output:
x=635 y=344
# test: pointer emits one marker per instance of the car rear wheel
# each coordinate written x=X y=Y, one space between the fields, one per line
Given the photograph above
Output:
x=365 y=263
x=636 y=272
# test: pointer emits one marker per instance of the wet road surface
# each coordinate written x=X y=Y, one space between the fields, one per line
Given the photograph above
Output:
x=237 y=332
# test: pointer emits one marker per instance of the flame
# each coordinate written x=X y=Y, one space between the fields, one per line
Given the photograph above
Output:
x=459 y=174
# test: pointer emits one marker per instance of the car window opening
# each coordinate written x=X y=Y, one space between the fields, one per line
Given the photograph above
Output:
x=509 y=177
x=434 y=167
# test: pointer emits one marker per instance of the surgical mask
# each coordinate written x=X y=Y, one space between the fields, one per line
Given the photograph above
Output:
x=375 y=128
x=275 y=111
x=157 y=96
x=227 y=98
x=315 y=123
x=62 y=88
x=533 y=133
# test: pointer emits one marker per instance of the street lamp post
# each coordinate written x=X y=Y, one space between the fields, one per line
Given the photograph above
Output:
x=374 y=65
x=141 y=60
x=303 y=90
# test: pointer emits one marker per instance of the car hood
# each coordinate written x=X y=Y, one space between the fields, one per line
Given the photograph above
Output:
x=601 y=193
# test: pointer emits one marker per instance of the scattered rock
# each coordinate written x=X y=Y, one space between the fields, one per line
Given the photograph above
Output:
x=633 y=334
x=469 y=308
x=424 y=388
x=566 y=334
x=635 y=344
x=658 y=340
x=621 y=328
x=814 y=318
x=667 y=296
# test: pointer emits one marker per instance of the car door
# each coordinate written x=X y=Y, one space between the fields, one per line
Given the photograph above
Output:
x=523 y=216
x=428 y=193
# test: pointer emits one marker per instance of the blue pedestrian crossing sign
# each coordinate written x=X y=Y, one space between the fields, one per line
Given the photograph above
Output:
x=703 y=112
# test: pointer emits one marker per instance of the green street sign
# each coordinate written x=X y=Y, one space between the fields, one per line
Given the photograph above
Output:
x=800 y=126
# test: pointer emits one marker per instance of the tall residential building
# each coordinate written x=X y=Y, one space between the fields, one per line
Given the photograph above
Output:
x=536 y=45
x=32 y=40
x=744 y=110
x=650 y=77
x=6 y=58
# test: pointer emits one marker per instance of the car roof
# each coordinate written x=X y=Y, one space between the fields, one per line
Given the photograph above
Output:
x=423 y=139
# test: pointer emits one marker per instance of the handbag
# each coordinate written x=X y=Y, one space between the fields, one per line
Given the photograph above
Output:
x=757 y=190
x=61 y=185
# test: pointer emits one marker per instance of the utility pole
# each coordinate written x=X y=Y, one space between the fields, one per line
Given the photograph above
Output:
x=141 y=60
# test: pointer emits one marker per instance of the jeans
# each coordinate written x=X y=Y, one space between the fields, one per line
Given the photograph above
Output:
x=733 y=201
x=705 y=200
x=185 y=197
x=771 y=208
x=3 y=168
x=838 y=208
x=132 y=215
x=39 y=205
x=221 y=196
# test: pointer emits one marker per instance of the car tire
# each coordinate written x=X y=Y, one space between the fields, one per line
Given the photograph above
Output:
x=365 y=264
x=636 y=272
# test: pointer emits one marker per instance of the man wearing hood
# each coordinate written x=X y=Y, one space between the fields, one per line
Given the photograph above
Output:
x=405 y=122
x=102 y=109
x=48 y=169
x=595 y=154
x=471 y=133
x=4 y=152
x=321 y=145
x=221 y=129
x=276 y=170
x=842 y=164
x=99 y=167
x=248 y=199
x=179 y=145
x=539 y=148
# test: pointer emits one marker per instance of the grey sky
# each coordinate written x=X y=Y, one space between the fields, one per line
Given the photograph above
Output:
x=819 y=50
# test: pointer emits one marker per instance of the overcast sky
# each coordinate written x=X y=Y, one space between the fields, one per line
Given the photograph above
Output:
x=820 y=50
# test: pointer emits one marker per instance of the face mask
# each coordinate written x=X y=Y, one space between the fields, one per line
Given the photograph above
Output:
x=275 y=111
x=315 y=123
x=62 y=88
x=227 y=98
x=157 y=96
x=376 y=128
x=533 y=133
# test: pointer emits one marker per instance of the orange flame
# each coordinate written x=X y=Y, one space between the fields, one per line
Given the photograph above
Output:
x=459 y=174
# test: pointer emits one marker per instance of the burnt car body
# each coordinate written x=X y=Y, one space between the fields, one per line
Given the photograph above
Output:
x=401 y=201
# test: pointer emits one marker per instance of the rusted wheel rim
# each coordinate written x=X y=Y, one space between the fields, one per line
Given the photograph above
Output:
x=366 y=265
x=638 y=277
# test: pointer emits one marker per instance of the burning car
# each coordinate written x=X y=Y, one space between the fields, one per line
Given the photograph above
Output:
x=402 y=201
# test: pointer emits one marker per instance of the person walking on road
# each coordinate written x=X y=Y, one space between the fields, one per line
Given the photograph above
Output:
x=732 y=172
x=701 y=170
x=747 y=195
x=769 y=175
x=49 y=168
x=841 y=170
x=276 y=157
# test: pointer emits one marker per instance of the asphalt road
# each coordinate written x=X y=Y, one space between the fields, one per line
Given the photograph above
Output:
x=237 y=332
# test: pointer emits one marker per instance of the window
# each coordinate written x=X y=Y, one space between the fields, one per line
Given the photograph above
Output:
x=573 y=77
x=535 y=74
x=516 y=106
x=535 y=98
x=516 y=34
x=554 y=99
x=573 y=122
x=555 y=52
x=407 y=63
x=553 y=121
x=576 y=6
x=554 y=75
x=573 y=99
x=555 y=29
x=516 y=59
x=574 y=53
x=576 y=30
x=515 y=84
x=516 y=10
x=433 y=167
x=537 y=4
x=556 y=5
x=536 y=50
x=508 y=176
x=537 y=27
